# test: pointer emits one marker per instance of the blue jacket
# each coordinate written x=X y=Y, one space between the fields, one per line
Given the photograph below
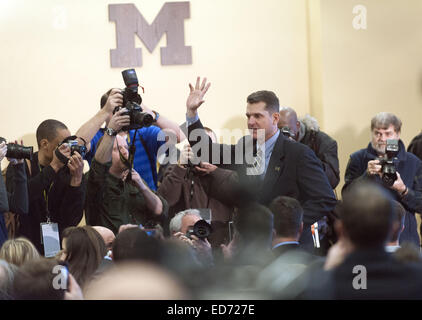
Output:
x=410 y=168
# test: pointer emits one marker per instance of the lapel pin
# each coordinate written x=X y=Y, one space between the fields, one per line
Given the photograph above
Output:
x=277 y=168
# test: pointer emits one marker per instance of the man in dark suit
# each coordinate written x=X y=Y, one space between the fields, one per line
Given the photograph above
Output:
x=278 y=166
x=358 y=267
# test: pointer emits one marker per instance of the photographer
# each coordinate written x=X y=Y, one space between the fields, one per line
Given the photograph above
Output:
x=147 y=141
x=368 y=164
x=55 y=184
x=16 y=200
x=115 y=197
x=181 y=226
x=204 y=185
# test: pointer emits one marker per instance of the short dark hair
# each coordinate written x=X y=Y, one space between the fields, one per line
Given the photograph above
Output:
x=48 y=130
x=135 y=244
x=34 y=280
x=254 y=223
x=272 y=103
x=367 y=215
x=288 y=216
x=104 y=98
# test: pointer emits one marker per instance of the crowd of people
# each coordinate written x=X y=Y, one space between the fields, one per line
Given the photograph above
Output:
x=259 y=219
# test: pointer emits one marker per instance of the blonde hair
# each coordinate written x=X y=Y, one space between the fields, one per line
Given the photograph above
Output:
x=18 y=251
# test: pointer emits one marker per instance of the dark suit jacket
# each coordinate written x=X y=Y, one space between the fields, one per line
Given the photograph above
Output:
x=293 y=171
x=386 y=278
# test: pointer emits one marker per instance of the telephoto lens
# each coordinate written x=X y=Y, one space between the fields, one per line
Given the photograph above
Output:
x=17 y=151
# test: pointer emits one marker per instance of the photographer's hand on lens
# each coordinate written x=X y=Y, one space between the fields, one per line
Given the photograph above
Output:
x=374 y=167
x=3 y=150
x=76 y=168
x=181 y=236
x=56 y=164
x=115 y=99
x=196 y=96
x=399 y=186
x=118 y=120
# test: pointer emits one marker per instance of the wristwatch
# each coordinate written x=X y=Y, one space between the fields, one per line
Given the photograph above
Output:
x=111 y=132
x=157 y=115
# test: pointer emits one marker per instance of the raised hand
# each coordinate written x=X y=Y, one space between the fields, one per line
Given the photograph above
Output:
x=196 y=96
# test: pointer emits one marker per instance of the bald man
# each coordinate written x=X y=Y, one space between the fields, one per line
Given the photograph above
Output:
x=307 y=132
x=107 y=235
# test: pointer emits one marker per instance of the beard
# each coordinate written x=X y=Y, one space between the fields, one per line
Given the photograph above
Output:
x=379 y=147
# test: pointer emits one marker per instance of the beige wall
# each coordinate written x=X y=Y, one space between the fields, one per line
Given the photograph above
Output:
x=55 y=63
x=56 y=69
x=368 y=71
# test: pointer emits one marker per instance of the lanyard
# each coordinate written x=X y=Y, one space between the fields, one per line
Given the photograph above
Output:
x=46 y=199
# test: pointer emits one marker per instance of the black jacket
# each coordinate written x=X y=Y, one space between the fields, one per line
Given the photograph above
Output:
x=325 y=149
x=65 y=202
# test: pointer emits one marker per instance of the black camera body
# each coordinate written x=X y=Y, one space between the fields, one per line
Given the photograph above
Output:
x=201 y=229
x=17 y=151
x=132 y=102
x=73 y=144
x=388 y=167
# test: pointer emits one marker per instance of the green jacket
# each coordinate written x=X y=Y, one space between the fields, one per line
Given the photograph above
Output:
x=111 y=202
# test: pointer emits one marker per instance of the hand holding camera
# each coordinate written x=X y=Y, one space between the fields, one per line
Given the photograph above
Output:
x=115 y=99
x=76 y=167
x=63 y=151
x=132 y=102
x=119 y=120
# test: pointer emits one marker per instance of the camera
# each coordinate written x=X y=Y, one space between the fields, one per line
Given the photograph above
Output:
x=73 y=144
x=201 y=229
x=132 y=102
x=17 y=151
x=388 y=167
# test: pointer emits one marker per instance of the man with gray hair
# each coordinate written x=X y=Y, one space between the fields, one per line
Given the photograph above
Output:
x=180 y=225
x=370 y=163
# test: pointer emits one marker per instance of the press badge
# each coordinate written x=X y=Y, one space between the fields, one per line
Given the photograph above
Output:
x=50 y=239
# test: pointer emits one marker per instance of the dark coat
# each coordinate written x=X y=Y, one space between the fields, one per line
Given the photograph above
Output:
x=65 y=202
x=386 y=278
x=410 y=169
x=293 y=171
x=325 y=149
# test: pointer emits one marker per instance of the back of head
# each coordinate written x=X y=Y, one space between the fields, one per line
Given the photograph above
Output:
x=272 y=103
x=135 y=244
x=366 y=214
x=84 y=248
x=18 y=251
x=135 y=281
x=288 y=216
x=7 y=274
x=104 y=98
x=35 y=281
x=399 y=215
x=254 y=224
x=48 y=130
